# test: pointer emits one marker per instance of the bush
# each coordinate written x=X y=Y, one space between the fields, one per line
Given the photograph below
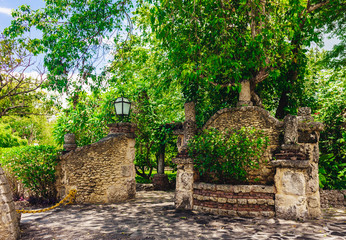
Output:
x=8 y=138
x=224 y=157
x=34 y=166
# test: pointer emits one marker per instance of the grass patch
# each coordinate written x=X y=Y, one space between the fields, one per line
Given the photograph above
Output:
x=171 y=177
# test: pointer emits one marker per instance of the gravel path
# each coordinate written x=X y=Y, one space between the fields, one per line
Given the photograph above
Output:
x=152 y=216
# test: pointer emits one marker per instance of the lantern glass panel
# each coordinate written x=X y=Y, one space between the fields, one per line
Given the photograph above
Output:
x=126 y=109
x=122 y=106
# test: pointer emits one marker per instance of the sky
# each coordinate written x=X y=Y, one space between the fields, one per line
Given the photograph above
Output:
x=7 y=5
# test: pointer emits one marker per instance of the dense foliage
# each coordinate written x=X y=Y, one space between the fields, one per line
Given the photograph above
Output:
x=193 y=50
x=326 y=94
x=34 y=166
x=8 y=138
x=225 y=157
x=35 y=129
x=74 y=36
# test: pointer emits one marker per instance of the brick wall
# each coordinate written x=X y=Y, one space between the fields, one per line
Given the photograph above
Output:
x=234 y=200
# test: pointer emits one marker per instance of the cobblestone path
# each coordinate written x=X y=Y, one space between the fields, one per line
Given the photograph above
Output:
x=152 y=216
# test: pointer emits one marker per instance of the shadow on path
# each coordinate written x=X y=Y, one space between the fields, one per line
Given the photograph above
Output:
x=152 y=216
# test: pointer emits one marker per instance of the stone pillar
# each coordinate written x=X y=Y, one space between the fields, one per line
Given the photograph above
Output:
x=291 y=130
x=184 y=184
x=122 y=128
x=69 y=142
x=185 y=172
x=9 y=218
x=245 y=94
x=296 y=178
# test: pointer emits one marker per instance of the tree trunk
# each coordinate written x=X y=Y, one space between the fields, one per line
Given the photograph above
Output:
x=283 y=103
x=245 y=94
x=161 y=160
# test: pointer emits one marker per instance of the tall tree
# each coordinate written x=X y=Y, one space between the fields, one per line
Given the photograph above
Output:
x=75 y=34
x=19 y=93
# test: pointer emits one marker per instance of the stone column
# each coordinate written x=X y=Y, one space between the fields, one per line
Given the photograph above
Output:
x=245 y=94
x=9 y=218
x=296 y=178
x=69 y=142
x=185 y=172
x=184 y=183
x=121 y=128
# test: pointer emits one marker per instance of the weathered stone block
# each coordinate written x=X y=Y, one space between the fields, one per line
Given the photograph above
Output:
x=291 y=207
x=313 y=202
x=223 y=212
x=232 y=201
x=254 y=214
x=222 y=200
x=242 y=201
x=291 y=130
x=224 y=188
x=268 y=214
x=293 y=183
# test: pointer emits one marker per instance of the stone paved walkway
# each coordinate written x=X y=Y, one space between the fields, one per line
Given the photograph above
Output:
x=152 y=216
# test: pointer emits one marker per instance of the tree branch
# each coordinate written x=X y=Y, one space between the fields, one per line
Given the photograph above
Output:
x=316 y=6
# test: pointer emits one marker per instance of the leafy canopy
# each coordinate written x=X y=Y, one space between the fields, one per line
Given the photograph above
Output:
x=74 y=35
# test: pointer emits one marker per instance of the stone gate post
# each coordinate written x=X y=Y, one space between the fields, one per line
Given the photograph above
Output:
x=185 y=173
x=296 y=179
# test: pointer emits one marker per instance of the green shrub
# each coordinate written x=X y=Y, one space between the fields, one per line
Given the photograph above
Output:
x=8 y=138
x=34 y=166
x=332 y=174
x=224 y=157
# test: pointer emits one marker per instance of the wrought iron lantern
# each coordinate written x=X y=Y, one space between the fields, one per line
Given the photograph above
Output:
x=122 y=107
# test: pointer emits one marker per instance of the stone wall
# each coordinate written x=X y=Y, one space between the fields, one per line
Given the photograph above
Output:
x=234 y=200
x=250 y=116
x=333 y=198
x=9 y=218
x=290 y=165
x=102 y=172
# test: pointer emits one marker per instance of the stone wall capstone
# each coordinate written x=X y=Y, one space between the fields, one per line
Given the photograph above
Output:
x=9 y=219
x=101 y=172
